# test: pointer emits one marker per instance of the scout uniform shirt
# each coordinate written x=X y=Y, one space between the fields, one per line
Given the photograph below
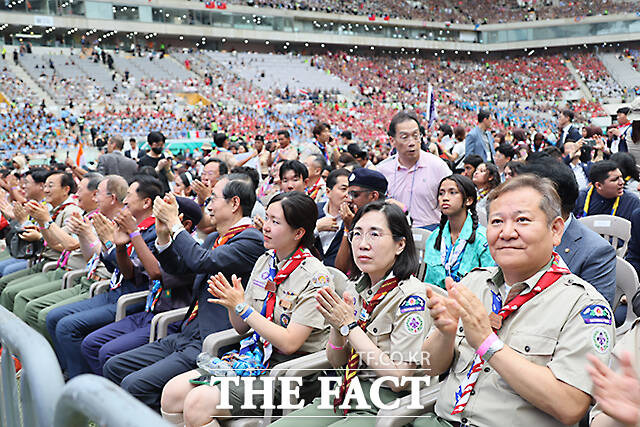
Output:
x=556 y=329
x=399 y=323
x=295 y=297
x=630 y=342
x=62 y=213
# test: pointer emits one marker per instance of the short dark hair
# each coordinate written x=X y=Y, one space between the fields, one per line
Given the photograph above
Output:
x=515 y=166
x=319 y=128
x=300 y=211
x=627 y=164
x=132 y=140
x=553 y=151
x=155 y=137
x=332 y=179
x=446 y=129
x=39 y=175
x=506 y=150
x=568 y=114
x=284 y=133
x=66 y=180
x=347 y=134
x=623 y=110
x=95 y=179
x=600 y=170
x=148 y=170
x=459 y=133
x=298 y=168
x=407 y=262
x=562 y=177
x=473 y=160
x=483 y=114
x=223 y=169
x=401 y=117
x=219 y=139
x=148 y=186
x=240 y=186
x=250 y=172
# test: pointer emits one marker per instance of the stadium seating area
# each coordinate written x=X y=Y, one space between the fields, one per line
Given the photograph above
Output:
x=258 y=93
x=462 y=11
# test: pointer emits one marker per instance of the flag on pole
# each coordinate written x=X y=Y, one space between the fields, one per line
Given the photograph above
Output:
x=432 y=113
x=80 y=160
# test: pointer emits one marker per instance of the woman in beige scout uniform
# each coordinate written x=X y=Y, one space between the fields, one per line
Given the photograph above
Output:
x=278 y=304
x=379 y=335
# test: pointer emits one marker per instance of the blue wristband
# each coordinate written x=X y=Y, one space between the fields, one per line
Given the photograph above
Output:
x=246 y=313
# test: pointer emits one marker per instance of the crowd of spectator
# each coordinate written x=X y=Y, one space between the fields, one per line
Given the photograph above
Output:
x=462 y=12
x=269 y=236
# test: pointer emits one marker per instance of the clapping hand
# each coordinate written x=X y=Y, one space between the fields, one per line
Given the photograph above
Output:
x=337 y=311
x=226 y=294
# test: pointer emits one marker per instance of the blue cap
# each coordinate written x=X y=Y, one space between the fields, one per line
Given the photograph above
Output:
x=369 y=179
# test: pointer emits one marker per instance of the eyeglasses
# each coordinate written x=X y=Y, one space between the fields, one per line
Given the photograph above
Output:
x=354 y=194
x=371 y=236
x=406 y=136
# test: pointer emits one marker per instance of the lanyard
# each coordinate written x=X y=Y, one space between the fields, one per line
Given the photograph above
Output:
x=585 y=210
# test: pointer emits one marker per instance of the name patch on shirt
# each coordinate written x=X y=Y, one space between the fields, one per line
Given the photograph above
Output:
x=412 y=303
x=596 y=314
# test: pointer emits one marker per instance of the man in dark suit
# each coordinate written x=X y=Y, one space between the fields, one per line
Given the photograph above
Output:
x=233 y=249
x=330 y=227
x=480 y=141
x=114 y=162
x=585 y=252
x=134 y=152
x=568 y=132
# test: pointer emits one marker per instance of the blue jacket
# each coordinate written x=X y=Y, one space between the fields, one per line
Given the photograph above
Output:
x=475 y=254
x=330 y=255
x=237 y=256
x=474 y=144
x=589 y=257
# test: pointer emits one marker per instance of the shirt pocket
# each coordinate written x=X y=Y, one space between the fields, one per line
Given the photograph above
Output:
x=535 y=348
x=466 y=355
x=379 y=331
x=258 y=295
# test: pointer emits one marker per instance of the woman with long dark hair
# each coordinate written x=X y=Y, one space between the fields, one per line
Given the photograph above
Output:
x=485 y=178
x=279 y=305
x=459 y=244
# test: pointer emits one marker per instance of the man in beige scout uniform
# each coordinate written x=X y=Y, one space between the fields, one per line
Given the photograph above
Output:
x=516 y=336
x=617 y=390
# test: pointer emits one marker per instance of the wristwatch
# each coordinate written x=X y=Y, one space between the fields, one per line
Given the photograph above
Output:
x=47 y=224
x=345 y=329
x=495 y=347
x=240 y=308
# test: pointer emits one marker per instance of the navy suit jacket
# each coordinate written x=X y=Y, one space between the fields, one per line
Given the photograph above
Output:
x=573 y=134
x=237 y=256
x=474 y=144
x=110 y=262
x=329 y=257
x=589 y=257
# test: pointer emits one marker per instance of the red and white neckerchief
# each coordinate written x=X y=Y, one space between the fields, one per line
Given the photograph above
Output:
x=556 y=271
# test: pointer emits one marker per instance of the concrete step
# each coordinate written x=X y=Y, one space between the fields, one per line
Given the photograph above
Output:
x=576 y=76
x=22 y=74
